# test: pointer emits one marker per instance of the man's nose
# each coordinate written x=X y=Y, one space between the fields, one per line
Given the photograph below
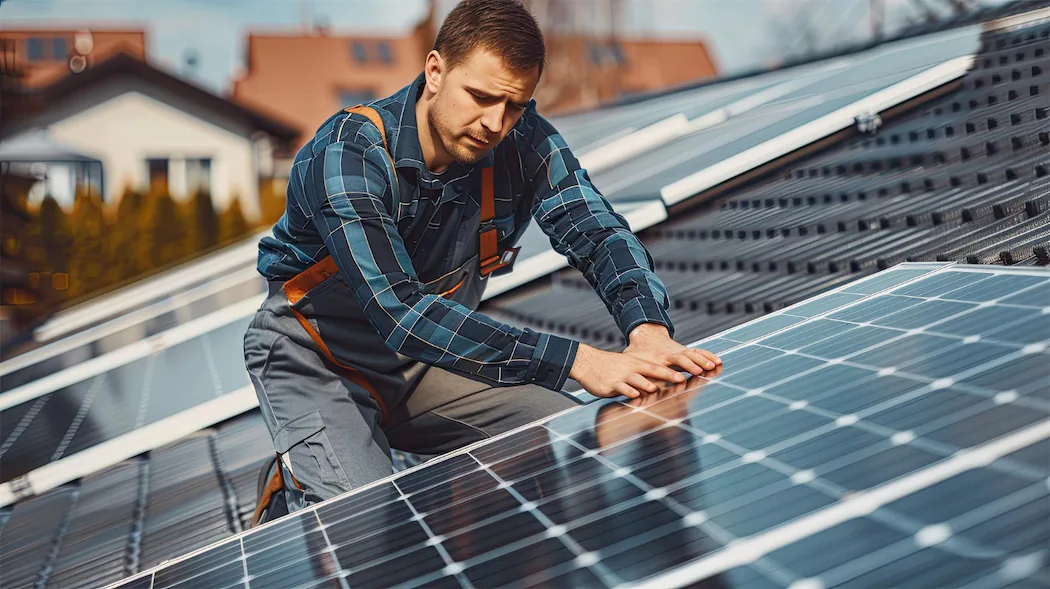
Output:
x=492 y=120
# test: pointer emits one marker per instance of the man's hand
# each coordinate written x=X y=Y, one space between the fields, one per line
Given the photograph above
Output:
x=651 y=342
x=608 y=374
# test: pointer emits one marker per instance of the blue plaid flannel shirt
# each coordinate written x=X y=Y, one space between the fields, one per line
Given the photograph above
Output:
x=382 y=234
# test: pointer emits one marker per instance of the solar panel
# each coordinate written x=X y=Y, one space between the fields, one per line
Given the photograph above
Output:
x=848 y=81
x=188 y=382
x=919 y=458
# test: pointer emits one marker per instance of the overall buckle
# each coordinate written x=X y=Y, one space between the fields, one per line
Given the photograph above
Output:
x=504 y=264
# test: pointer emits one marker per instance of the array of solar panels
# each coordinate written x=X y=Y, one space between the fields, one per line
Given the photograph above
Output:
x=138 y=513
x=890 y=433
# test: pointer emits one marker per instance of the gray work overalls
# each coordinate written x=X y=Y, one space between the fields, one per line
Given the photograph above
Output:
x=335 y=397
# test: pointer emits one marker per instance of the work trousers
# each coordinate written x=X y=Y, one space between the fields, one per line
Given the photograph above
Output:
x=329 y=430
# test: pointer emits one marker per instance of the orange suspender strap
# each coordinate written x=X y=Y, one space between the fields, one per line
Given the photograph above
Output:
x=489 y=250
x=295 y=289
x=372 y=115
x=489 y=258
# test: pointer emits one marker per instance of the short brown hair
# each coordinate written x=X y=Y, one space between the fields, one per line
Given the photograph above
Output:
x=504 y=27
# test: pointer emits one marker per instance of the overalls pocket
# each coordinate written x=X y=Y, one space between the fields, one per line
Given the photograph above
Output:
x=305 y=441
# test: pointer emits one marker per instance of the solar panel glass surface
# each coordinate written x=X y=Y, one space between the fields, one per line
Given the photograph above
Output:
x=905 y=462
x=850 y=79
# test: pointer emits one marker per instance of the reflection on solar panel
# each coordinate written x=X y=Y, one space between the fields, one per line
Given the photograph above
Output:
x=131 y=327
x=889 y=433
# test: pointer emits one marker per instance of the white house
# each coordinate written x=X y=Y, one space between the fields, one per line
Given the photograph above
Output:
x=125 y=123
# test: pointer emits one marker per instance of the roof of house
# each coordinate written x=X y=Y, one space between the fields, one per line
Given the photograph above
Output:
x=123 y=64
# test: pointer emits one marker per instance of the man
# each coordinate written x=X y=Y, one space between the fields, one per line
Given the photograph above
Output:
x=396 y=216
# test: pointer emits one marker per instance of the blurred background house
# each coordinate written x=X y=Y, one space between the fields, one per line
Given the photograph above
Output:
x=123 y=123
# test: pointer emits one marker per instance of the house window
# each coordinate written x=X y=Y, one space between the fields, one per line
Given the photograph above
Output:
x=360 y=52
x=355 y=97
x=596 y=53
x=157 y=174
x=198 y=175
x=384 y=52
x=35 y=49
x=59 y=48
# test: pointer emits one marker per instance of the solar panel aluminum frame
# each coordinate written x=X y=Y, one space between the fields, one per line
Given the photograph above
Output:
x=764 y=542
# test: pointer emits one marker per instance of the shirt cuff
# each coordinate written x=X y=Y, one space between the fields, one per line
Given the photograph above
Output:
x=551 y=360
x=643 y=310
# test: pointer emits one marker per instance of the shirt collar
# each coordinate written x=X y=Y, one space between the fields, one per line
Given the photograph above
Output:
x=405 y=145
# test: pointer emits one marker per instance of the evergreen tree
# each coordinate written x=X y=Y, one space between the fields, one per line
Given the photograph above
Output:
x=20 y=292
x=52 y=237
x=203 y=222
x=164 y=235
x=232 y=225
x=126 y=238
x=87 y=262
x=271 y=201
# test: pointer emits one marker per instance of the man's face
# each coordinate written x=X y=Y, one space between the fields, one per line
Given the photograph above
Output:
x=476 y=104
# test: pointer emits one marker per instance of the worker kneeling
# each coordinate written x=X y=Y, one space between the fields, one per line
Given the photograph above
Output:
x=397 y=215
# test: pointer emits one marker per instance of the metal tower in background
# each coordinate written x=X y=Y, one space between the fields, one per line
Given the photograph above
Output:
x=913 y=12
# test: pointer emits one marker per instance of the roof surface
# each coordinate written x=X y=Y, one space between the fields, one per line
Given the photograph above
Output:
x=961 y=178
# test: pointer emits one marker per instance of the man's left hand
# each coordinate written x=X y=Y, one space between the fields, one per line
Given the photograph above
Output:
x=652 y=342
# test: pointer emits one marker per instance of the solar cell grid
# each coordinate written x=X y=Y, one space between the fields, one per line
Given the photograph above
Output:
x=756 y=475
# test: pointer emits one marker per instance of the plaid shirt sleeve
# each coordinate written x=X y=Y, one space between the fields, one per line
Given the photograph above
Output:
x=348 y=191
x=584 y=228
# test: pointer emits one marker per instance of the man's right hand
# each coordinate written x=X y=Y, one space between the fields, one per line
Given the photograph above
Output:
x=608 y=374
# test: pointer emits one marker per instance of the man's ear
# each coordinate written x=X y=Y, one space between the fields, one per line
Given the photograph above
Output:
x=433 y=70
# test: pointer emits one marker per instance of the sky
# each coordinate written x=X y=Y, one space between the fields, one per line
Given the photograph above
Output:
x=741 y=34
